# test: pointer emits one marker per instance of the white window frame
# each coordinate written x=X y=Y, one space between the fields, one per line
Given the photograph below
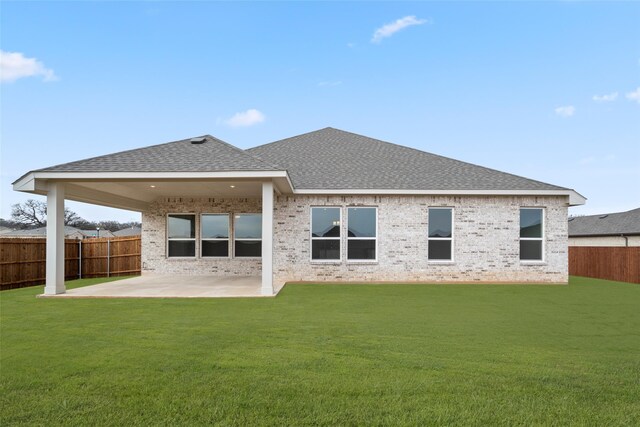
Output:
x=228 y=239
x=542 y=238
x=360 y=261
x=242 y=239
x=452 y=238
x=194 y=238
x=312 y=238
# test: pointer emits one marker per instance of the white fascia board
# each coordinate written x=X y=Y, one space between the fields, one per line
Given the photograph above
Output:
x=29 y=182
x=574 y=197
x=26 y=184
x=107 y=176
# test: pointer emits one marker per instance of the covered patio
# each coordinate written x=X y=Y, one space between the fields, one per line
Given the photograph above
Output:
x=188 y=172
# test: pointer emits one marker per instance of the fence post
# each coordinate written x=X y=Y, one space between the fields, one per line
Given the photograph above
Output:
x=109 y=258
x=79 y=258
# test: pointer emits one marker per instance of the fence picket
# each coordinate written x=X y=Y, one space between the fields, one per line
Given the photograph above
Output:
x=22 y=260
x=604 y=262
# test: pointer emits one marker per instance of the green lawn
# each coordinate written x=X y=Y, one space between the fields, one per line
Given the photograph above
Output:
x=327 y=355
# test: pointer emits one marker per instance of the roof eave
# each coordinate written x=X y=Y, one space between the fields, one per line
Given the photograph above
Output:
x=37 y=182
x=617 y=234
x=575 y=198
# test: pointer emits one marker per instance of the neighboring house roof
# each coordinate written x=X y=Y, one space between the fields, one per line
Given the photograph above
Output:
x=613 y=224
x=334 y=159
x=213 y=155
x=94 y=233
x=39 y=232
x=129 y=231
x=68 y=231
x=4 y=230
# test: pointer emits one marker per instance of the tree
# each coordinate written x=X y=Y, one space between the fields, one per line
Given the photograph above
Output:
x=9 y=224
x=33 y=213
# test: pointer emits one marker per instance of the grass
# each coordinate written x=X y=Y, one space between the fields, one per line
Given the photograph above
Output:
x=327 y=355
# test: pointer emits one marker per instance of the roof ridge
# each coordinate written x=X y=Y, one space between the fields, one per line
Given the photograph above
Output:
x=291 y=137
x=241 y=150
x=607 y=214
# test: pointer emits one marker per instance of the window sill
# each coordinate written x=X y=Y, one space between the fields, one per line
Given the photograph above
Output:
x=533 y=263
x=362 y=261
x=440 y=262
x=181 y=258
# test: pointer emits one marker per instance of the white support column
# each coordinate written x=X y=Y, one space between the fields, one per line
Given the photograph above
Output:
x=267 y=238
x=55 y=240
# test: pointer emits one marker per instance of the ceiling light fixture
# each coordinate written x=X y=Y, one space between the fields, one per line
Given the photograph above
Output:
x=232 y=186
x=152 y=186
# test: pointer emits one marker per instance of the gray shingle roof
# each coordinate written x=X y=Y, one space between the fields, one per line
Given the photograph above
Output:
x=613 y=224
x=326 y=159
x=40 y=232
x=179 y=156
x=129 y=231
x=334 y=159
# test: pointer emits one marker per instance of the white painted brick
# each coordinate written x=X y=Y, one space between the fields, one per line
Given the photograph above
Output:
x=154 y=238
x=486 y=247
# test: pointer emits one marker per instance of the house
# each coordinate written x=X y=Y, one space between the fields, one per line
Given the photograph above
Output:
x=613 y=229
x=128 y=232
x=324 y=206
x=69 y=233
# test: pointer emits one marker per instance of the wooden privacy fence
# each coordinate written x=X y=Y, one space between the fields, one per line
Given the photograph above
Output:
x=23 y=260
x=610 y=263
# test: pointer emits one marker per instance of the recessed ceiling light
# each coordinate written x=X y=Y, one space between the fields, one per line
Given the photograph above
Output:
x=232 y=186
x=152 y=186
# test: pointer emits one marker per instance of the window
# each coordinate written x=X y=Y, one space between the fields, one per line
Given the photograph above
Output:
x=440 y=239
x=248 y=235
x=325 y=234
x=531 y=234
x=362 y=232
x=214 y=235
x=181 y=235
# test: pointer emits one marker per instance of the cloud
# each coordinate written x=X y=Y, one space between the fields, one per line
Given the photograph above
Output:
x=597 y=159
x=14 y=66
x=566 y=111
x=330 y=83
x=587 y=160
x=246 y=118
x=391 y=28
x=351 y=45
x=605 y=98
x=634 y=96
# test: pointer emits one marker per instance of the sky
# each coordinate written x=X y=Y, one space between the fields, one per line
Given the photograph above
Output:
x=546 y=90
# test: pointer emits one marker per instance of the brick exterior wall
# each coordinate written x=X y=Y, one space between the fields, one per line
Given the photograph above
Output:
x=154 y=238
x=486 y=244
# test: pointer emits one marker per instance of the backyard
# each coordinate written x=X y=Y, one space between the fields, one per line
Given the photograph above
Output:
x=327 y=355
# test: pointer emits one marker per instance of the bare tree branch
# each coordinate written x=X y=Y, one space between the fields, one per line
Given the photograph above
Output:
x=33 y=213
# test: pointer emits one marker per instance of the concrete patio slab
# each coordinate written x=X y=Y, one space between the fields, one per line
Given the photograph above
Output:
x=173 y=286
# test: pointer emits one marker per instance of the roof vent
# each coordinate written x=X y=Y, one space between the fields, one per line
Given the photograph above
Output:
x=603 y=216
x=199 y=140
